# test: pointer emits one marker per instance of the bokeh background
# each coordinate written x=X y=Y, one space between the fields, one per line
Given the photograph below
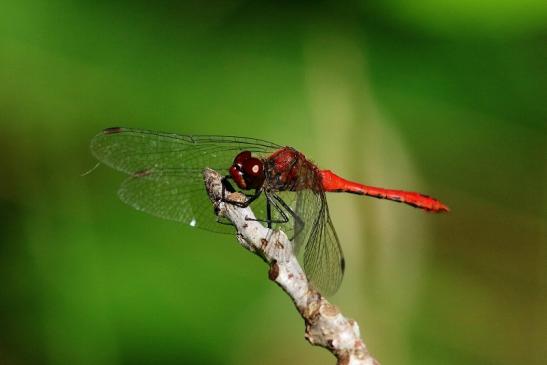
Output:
x=447 y=99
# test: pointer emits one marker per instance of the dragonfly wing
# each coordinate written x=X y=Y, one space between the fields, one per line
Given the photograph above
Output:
x=134 y=150
x=323 y=258
x=166 y=170
x=174 y=194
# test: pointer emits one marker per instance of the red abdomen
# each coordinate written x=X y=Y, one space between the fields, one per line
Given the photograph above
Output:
x=334 y=183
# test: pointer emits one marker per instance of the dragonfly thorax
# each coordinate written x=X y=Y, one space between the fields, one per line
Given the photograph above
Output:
x=247 y=171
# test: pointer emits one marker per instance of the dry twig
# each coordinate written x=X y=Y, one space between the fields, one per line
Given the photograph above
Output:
x=325 y=325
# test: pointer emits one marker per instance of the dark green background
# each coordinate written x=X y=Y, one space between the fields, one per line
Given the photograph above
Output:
x=444 y=99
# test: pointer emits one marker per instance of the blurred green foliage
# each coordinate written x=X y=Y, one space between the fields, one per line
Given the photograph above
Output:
x=448 y=99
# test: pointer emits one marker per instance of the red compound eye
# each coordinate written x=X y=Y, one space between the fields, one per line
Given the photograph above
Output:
x=247 y=171
x=253 y=173
x=241 y=158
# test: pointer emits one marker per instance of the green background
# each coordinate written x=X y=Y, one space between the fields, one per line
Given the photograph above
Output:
x=444 y=99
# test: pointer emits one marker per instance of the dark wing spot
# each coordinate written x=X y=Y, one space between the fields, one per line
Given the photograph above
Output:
x=142 y=173
x=112 y=130
x=343 y=264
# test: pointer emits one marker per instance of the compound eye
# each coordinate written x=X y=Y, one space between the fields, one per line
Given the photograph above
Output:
x=242 y=157
x=253 y=170
x=253 y=167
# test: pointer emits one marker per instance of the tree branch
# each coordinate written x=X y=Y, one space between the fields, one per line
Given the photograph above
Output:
x=325 y=325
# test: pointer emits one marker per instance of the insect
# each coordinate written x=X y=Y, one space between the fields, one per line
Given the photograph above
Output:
x=285 y=189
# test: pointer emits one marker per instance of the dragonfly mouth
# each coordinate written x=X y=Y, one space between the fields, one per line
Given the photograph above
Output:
x=238 y=176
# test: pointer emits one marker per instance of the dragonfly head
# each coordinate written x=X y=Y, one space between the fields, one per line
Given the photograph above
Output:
x=247 y=171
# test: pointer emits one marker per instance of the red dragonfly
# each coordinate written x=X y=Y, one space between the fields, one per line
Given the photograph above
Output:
x=287 y=190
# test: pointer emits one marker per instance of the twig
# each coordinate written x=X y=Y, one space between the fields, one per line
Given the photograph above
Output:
x=325 y=325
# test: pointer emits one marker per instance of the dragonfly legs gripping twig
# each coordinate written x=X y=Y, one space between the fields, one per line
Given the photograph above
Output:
x=271 y=200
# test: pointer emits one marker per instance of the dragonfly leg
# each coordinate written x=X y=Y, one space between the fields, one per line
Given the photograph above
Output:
x=226 y=186
x=269 y=221
x=298 y=222
x=269 y=213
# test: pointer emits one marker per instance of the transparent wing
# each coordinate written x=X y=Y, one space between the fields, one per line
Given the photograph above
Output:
x=134 y=150
x=179 y=195
x=173 y=194
x=166 y=170
x=323 y=258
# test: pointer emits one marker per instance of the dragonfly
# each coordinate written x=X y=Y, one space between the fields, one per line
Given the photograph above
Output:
x=286 y=190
